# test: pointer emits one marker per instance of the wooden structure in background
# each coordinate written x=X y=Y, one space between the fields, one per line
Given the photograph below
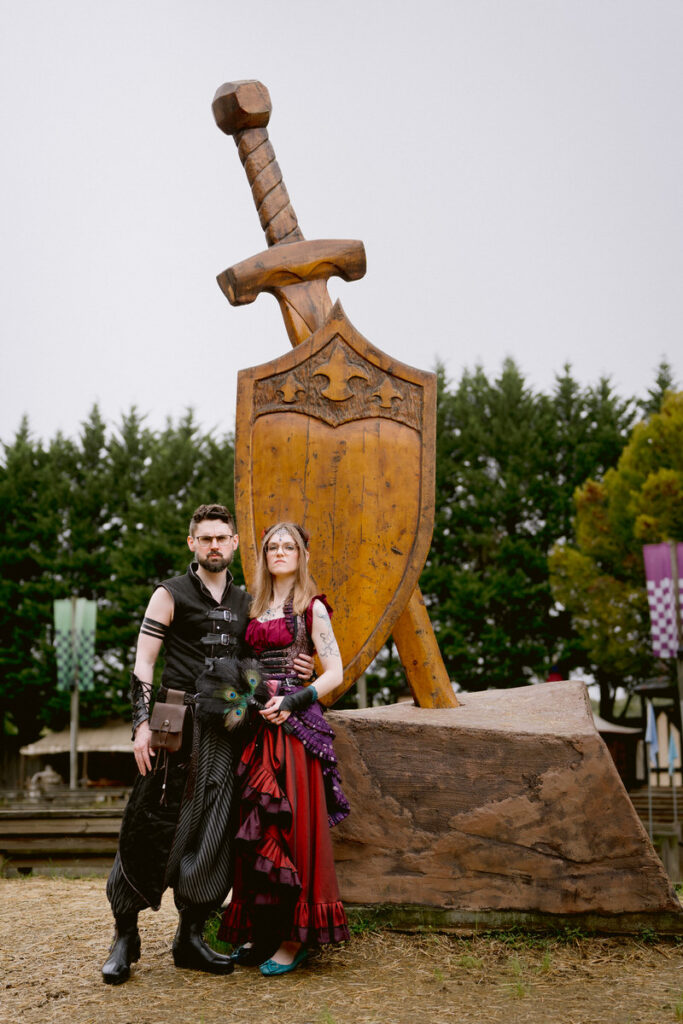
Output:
x=66 y=840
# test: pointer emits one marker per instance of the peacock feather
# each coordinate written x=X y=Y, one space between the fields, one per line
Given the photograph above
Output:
x=226 y=690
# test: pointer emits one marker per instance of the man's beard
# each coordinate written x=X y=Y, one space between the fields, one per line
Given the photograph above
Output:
x=215 y=564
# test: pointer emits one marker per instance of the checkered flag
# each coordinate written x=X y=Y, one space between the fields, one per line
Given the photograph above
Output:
x=86 y=614
x=64 y=644
x=75 y=642
x=662 y=597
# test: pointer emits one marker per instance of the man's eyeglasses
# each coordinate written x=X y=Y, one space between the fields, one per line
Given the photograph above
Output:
x=220 y=538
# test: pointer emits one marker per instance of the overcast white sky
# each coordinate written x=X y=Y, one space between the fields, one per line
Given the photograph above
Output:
x=514 y=168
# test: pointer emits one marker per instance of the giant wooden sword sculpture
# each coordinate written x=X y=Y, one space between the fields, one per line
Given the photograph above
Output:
x=513 y=805
x=335 y=434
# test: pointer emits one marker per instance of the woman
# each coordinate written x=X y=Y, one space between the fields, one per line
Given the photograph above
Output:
x=285 y=898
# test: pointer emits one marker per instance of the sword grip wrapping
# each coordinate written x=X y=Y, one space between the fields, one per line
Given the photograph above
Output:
x=271 y=198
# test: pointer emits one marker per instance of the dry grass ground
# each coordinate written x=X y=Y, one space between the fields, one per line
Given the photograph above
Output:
x=55 y=933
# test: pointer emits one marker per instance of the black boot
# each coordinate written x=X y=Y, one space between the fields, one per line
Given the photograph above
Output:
x=268 y=926
x=257 y=953
x=190 y=950
x=125 y=950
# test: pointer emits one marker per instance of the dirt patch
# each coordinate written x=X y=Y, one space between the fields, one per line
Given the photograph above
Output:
x=55 y=934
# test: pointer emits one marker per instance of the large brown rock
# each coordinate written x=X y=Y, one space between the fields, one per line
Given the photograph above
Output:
x=510 y=802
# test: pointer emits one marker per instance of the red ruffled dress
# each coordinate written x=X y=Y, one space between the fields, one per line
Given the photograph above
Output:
x=291 y=796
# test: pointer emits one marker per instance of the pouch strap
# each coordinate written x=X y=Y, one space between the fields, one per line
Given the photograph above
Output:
x=180 y=696
x=176 y=697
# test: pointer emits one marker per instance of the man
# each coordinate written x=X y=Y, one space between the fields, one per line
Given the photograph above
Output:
x=176 y=829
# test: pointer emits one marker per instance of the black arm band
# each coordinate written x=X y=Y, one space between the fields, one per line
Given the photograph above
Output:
x=300 y=700
x=150 y=627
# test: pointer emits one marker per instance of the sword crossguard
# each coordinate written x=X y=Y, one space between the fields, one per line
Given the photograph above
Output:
x=291 y=264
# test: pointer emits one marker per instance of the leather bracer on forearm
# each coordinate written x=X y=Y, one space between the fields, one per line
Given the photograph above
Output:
x=140 y=700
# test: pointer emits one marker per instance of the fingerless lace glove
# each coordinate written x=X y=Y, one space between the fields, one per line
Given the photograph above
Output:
x=300 y=700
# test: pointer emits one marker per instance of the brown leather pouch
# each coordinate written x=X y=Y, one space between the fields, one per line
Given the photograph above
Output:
x=166 y=722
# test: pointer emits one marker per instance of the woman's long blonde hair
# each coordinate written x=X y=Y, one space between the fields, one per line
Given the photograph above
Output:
x=304 y=589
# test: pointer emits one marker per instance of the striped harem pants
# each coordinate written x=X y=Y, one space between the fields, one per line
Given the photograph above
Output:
x=186 y=842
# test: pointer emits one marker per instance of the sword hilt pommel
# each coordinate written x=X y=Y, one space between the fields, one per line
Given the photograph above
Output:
x=240 y=105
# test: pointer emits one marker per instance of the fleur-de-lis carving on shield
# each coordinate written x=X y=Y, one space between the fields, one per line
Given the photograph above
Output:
x=334 y=434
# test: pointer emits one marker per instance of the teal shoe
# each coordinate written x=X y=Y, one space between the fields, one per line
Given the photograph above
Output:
x=271 y=967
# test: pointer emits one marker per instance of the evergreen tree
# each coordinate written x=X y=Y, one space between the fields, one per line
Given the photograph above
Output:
x=103 y=517
x=664 y=383
x=30 y=529
x=600 y=577
x=508 y=461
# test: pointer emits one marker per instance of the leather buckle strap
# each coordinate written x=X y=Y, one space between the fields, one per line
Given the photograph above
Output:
x=219 y=638
x=221 y=615
x=211 y=662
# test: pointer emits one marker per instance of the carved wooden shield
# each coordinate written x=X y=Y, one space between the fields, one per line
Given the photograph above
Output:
x=338 y=436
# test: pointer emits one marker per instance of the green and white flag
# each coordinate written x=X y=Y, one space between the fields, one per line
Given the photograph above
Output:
x=86 y=615
x=75 y=642
x=64 y=644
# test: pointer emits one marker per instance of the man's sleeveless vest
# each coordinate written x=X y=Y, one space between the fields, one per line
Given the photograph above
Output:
x=201 y=628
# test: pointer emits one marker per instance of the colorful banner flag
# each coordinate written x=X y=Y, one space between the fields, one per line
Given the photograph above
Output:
x=651 y=736
x=75 y=642
x=661 y=596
